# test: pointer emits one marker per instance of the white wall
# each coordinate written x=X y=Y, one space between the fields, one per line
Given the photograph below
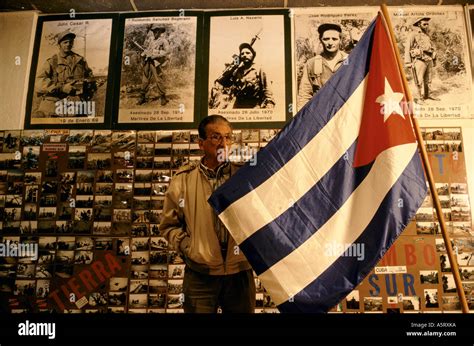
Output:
x=17 y=31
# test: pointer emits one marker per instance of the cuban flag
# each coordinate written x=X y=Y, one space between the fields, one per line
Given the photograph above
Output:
x=334 y=189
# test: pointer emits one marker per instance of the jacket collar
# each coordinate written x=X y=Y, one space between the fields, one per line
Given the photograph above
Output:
x=223 y=168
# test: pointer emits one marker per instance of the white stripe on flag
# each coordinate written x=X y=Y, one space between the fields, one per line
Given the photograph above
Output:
x=278 y=193
x=301 y=267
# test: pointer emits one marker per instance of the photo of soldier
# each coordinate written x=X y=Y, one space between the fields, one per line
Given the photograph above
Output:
x=70 y=78
x=248 y=67
x=434 y=47
x=318 y=69
x=323 y=40
x=420 y=57
x=242 y=84
x=158 y=69
x=66 y=75
x=155 y=56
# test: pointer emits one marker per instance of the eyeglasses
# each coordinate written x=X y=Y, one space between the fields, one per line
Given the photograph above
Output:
x=216 y=138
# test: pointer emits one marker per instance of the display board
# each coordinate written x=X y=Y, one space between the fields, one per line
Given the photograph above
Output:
x=415 y=274
x=71 y=82
x=159 y=69
x=433 y=44
x=248 y=66
x=312 y=70
x=258 y=67
x=80 y=213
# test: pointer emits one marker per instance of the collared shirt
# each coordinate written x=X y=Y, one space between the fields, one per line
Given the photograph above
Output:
x=316 y=73
x=418 y=46
x=216 y=178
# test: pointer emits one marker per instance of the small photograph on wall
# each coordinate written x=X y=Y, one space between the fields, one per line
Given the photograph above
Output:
x=322 y=40
x=434 y=49
x=70 y=83
x=158 y=69
x=249 y=65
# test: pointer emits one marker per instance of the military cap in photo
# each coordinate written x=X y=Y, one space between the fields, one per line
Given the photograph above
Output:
x=419 y=19
x=248 y=46
x=64 y=34
x=328 y=26
x=157 y=28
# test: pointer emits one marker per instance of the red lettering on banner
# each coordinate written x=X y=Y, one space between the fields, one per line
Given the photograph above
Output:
x=75 y=288
x=112 y=263
x=410 y=255
x=87 y=280
x=390 y=257
x=429 y=254
x=99 y=269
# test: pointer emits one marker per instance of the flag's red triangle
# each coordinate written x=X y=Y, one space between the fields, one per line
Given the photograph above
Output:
x=385 y=120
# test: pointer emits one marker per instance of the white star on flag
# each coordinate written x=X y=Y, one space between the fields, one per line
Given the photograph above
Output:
x=390 y=102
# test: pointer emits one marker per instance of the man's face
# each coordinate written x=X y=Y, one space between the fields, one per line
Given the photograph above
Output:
x=218 y=140
x=424 y=25
x=66 y=45
x=246 y=55
x=331 y=40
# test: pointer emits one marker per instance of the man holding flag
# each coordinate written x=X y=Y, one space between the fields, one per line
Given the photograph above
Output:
x=344 y=174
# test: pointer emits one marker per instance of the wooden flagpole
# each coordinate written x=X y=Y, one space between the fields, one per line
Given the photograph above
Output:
x=427 y=168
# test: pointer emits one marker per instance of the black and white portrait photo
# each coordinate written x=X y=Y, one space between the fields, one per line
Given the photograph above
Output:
x=323 y=39
x=157 y=83
x=70 y=82
x=433 y=45
x=247 y=67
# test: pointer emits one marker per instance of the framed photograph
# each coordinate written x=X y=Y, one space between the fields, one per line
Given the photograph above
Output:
x=71 y=82
x=248 y=67
x=322 y=40
x=433 y=45
x=158 y=70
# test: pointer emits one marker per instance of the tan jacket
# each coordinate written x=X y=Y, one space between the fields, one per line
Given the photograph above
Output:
x=188 y=223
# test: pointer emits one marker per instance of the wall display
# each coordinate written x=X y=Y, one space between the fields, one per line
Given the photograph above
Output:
x=248 y=66
x=433 y=45
x=80 y=213
x=71 y=83
x=159 y=69
x=415 y=274
x=322 y=39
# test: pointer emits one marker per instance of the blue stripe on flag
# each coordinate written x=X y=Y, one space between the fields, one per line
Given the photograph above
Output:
x=332 y=96
x=384 y=228
x=292 y=228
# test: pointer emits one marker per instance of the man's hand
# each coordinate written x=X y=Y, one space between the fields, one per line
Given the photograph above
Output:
x=146 y=53
x=68 y=88
x=409 y=65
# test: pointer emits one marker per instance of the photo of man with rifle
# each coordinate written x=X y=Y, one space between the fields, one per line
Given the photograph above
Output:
x=65 y=76
x=420 y=58
x=154 y=57
x=242 y=84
